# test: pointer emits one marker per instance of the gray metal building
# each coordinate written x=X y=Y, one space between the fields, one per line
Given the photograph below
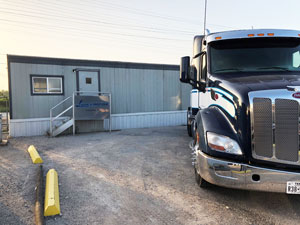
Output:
x=36 y=84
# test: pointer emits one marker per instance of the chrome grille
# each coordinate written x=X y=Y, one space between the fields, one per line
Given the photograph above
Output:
x=263 y=143
x=275 y=126
x=286 y=129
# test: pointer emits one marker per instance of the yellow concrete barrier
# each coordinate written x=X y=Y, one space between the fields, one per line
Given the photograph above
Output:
x=35 y=157
x=52 y=206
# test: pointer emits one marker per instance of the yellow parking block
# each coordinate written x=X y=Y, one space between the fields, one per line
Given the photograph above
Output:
x=35 y=157
x=52 y=206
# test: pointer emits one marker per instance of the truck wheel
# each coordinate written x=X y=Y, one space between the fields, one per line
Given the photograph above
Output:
x=189 y=130
x=194 y=129
x=189 y=127
x=200 y=181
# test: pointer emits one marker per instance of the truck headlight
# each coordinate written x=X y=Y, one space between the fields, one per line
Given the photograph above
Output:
x=223 y=144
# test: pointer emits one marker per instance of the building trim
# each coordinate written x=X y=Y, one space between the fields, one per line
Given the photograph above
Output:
x=91 y=63
x=41 y=126
x=9 y=88
x=47 y=94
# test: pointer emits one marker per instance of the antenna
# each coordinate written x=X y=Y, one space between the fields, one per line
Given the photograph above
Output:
x=205 y=17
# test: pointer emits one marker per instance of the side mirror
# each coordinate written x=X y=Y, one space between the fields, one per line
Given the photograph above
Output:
x=184 y=69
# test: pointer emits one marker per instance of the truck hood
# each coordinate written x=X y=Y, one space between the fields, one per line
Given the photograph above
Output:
x=259 y=82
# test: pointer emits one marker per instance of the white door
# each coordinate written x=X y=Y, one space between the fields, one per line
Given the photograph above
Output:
x=89 y=81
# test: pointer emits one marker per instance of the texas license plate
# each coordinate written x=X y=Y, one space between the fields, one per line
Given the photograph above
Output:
x=293 y=187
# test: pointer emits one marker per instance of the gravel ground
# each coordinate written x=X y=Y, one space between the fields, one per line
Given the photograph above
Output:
x=140 y=176
x=17 y=183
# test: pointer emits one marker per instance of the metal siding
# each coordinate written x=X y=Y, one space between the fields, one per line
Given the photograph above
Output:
x=119 y=95
x=107 y=80
x=146 y=120
x=35 y=127
x=171 y=88
x=29 y=127
x=153 y=91
x=135 y=87
x=133 y=90
x=26 y=105
x=185 y=95
x=20 y=91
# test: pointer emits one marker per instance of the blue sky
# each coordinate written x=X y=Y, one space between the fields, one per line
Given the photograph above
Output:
x=133 y=30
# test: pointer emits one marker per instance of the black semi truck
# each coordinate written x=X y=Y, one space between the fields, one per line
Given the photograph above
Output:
x=246 y=126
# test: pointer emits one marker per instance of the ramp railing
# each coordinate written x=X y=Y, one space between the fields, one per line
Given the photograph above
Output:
x=58 y=117
x=83 y=106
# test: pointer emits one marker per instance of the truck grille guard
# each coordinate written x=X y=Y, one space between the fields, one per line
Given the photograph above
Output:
x=274 y=116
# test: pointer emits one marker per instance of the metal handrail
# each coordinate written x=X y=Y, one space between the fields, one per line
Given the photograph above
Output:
x=73 y=107
x=63 y=112
x=60 y=103
x=51 y=112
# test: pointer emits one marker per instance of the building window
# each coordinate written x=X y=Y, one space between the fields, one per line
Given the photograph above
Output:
x=51 y=85
x=88 y=80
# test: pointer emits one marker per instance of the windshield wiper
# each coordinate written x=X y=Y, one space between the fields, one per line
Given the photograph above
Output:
x=229 y=69
x=274 y=67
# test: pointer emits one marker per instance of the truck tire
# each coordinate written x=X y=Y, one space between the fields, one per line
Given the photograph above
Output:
x=189 y=130
x=200 y=181
x=193 y=129
x=189 y=126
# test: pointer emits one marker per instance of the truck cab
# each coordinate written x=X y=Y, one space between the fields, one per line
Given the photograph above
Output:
x=246 y=126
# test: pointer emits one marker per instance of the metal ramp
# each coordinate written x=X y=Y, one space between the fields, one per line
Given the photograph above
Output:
x=62 y=116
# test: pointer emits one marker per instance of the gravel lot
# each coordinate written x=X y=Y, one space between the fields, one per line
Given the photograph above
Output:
x=17 y=183
x=137 y=176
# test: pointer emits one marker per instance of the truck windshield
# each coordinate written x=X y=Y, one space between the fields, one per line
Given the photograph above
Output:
x=255 y=55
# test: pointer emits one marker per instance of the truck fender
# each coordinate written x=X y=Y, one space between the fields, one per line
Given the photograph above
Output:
x=214 y=120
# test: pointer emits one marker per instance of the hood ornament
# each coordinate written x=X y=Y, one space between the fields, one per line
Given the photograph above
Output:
x=293 y=88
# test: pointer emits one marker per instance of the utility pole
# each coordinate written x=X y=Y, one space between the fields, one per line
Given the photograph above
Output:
x=205 y=17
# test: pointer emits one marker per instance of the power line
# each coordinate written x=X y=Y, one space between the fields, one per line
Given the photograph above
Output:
x=75 y=34
x=162 y=50
x=147 y=13
x=61 y=8
x=58 y=6
x=112 y=33
x=91 y=22
x=136 y=11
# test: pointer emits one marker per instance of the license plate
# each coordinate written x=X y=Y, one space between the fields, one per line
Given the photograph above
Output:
x=293 y=187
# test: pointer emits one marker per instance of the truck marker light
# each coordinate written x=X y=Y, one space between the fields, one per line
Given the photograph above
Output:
x=250 y=35
x=270 y=34
x=260 y=35
x=218 y=38
x=223 y=143
x=216 y=96
x=216 y=147
x=299 y=35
